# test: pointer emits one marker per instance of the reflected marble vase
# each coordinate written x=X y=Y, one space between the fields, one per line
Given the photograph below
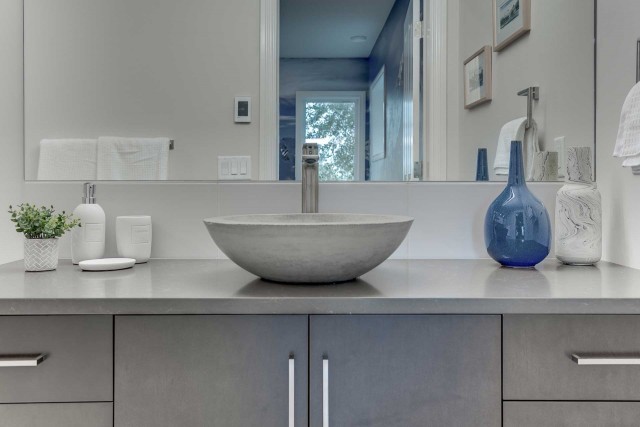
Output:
x=517 y=229
x=578 y=212
x=545 y=166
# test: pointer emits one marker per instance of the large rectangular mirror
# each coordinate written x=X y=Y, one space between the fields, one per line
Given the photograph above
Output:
x=390 y=90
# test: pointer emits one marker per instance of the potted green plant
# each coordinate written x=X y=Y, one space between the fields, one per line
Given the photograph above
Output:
x=41 y=228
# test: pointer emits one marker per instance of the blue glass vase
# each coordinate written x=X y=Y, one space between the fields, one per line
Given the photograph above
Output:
x=517 y=230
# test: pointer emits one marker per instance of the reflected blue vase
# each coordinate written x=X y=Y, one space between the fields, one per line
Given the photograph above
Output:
x=517 y=230
x=482 y=166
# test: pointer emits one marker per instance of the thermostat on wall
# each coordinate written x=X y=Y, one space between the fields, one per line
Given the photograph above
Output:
x=243 y=109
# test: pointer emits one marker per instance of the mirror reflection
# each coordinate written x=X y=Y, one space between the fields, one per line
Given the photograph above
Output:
x=389 y=90
x=349 y=77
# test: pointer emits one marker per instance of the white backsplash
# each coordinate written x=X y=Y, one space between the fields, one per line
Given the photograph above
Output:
x=448 y=216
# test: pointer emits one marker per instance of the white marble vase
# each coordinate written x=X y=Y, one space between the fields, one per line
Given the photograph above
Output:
x=578 y=235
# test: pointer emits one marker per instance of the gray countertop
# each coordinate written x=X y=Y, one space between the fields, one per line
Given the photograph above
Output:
x=395 y=287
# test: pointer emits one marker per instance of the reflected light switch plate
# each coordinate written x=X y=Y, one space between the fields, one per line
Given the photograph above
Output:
x=234 y=168
x=242 y=109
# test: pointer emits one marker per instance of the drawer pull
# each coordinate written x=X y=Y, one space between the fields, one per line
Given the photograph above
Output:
x=325 y=391
x=602 y=359
x=292 y=390
x=22 y=360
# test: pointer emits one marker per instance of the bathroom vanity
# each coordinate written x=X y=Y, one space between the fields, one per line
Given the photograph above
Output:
x=412 y=343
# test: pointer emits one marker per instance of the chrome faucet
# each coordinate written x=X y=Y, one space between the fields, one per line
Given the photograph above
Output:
x=310 y=163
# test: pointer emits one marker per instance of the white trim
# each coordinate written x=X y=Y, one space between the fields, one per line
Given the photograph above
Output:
x=408 y=94
x=435 y=95
x=359 y=97
x=417 y=87
x=379 y=78
x=269 y=70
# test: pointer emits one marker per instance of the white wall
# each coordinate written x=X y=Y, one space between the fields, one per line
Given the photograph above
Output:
x=449 y=216
x=144 y=68
x=618 y=32
x=11 y=184
x=556 y=55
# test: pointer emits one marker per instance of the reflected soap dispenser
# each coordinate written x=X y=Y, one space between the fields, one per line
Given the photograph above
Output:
x=87 y=241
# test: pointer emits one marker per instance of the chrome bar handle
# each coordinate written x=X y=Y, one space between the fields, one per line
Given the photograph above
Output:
x=292 y=390
x=325 y=391
x=27 y=360
x=595 y=359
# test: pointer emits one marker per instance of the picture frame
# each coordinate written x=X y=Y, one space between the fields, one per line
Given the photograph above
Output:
x=511 y=20
x=477 y=76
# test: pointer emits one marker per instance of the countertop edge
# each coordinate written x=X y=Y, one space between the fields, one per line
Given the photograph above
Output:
x=316 y=306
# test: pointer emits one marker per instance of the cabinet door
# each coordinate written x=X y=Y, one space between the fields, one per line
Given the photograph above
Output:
x=197 y=371
x=405 y=371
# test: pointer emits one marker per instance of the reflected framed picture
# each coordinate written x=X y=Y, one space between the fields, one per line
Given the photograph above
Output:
x=477 y=78
x=511 y=20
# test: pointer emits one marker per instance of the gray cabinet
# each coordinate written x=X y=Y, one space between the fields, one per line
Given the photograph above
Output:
x=571 y=414
x=538 y=361
x=197 y=371
x=78 y=364
x=405 y=371
x=57 y=415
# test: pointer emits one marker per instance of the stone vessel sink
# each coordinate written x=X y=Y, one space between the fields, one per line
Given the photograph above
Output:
x=308 y=248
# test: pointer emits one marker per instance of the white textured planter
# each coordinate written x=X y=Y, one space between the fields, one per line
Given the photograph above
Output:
x=40 y=254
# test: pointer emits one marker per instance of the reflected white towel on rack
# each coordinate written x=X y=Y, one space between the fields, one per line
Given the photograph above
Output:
x=133 y=159
x=628 y=140
x=67 y=159
x=516 y=130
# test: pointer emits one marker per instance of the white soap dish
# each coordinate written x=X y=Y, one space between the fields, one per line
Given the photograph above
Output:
x=107 y=264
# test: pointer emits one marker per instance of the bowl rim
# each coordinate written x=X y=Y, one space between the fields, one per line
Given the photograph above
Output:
x=241 y=220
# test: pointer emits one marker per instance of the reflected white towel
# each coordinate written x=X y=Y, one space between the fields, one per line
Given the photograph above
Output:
x=133 y=158
x=515 y=130
x=628 y=141
x=67 y=160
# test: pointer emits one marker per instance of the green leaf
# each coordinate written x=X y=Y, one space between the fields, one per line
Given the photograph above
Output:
x=41 y=222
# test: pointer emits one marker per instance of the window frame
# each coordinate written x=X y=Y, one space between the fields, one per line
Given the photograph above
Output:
x=360 y=100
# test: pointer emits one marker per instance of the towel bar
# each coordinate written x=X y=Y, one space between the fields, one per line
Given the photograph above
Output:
x=532 y=94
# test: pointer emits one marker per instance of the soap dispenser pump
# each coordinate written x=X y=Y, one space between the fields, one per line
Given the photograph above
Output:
x=88 y=240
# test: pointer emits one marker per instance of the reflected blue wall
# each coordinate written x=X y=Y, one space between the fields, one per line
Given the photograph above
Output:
x=388 y=52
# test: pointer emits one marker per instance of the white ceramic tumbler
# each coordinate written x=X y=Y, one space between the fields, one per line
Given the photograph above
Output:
x=133 y=237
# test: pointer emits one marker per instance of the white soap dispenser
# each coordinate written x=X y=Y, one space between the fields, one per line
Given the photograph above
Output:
x=87 y=241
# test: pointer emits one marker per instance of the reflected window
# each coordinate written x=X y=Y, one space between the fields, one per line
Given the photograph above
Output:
x=335 y=121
